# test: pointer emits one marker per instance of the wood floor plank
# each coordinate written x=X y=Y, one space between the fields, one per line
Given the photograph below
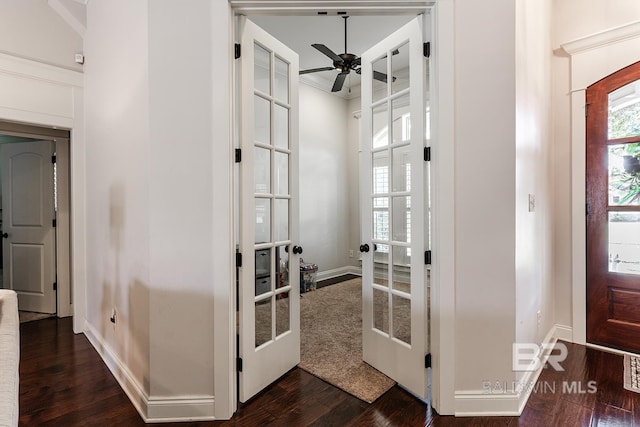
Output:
x=64 y=382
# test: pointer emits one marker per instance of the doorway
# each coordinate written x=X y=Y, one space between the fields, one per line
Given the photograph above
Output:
x=36 y=220
x=613 y=210
x=260 y=209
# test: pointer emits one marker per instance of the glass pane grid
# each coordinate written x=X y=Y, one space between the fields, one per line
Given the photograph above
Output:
x=624 y=111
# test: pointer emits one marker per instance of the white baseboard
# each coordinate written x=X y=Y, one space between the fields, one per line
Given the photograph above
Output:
x=330 y=274
x=151 y=409
x=474 y=403
x=563 y=332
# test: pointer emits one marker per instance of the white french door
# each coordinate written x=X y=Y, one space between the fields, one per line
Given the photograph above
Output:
x=393 y=184
x=269 y=292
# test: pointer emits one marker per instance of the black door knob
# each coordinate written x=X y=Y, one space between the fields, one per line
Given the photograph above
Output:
x=5 y=235
x=297 y=250
x=364 y=248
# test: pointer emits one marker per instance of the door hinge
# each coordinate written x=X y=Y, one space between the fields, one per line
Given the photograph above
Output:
x=427 y=360
x=238 y=154
x=54 y=222
x=239 y=364
x=236 y=50
x=586 y=209
x=238 y=259
x=426 y=49
x=53 y=159
x=427 y=154
x=427 y=257
x=55 y=286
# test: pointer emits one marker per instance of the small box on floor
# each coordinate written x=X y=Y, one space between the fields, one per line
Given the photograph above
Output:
x=308 y=273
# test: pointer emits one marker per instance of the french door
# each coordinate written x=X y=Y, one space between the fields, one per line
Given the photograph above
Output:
x=613 y=210
x=394 y=208
x=269 y=291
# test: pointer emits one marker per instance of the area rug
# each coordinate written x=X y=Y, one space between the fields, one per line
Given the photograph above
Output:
x=632 y=373
x=331 y=340
x=29 y=316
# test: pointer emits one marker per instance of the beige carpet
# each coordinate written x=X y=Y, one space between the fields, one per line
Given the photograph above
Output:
x=331 y=340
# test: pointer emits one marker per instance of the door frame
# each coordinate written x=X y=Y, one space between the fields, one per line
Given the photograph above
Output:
x=442 y=172
x=620 y=46
x=61 y=138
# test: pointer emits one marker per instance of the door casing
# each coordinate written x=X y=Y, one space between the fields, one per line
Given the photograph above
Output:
x=63 y=220
x=442 y=131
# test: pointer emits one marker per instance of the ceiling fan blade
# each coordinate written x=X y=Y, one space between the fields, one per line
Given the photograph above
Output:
x=356 y=62
x=331 y=54
x=377 y=75
x=337 y=85
x=315 y=70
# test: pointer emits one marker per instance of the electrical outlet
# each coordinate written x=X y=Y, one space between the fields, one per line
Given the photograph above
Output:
x=113 y=317
x=539 y=317
x=350 y=253
x=532 y=202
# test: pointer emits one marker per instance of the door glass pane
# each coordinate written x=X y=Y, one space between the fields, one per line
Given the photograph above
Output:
x=380 y=131
x=263 y=321
x=262 y=62
x=402 y=269
x=401 y=168
x=281 y=126
x=263 y=271
x=402 y=219
x=379 y=79
x=263 y=220
x=381 y=310
x=262 y=120
x=401 y=120
x=400 y=67
x=282 y=174
x=624 y=111
x=381 y=172
x=282 y=220
x=282 y=267
x=401 y=318
x=624 y=242
x=381 y=218
x=282 y=80
x=262 y=170
x=282 y=313
x=624 y=174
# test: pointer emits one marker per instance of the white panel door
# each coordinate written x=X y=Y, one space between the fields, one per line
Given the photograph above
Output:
x=27 y=224
x=269 y=292
x=393 y=208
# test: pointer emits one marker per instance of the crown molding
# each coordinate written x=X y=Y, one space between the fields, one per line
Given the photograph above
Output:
x=602 y=38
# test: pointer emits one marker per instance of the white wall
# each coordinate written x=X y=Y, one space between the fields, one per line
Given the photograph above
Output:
x=353 y=158
x=534 y=283
x=325 y=170
x=33 y=30
x=117 y=184
x=150 y=192
x=485 y=189
x=572 y=19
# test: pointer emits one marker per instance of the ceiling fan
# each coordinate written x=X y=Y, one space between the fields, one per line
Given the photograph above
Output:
x=345 y=63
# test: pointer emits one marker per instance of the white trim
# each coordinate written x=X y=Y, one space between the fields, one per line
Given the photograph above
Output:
x=34 y=70
x=563 y=332
x=312 y=7
x=336 y=272
x=443 y=279
x=611 y=350
x=151 y=409
x=602 y=38
x=619 y=45
x=475 y=403
x=119 y=370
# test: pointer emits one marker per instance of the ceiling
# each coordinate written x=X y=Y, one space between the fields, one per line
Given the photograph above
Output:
x=299 y=32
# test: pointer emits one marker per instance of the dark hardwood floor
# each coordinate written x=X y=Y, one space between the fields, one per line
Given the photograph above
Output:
x=63 y=382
